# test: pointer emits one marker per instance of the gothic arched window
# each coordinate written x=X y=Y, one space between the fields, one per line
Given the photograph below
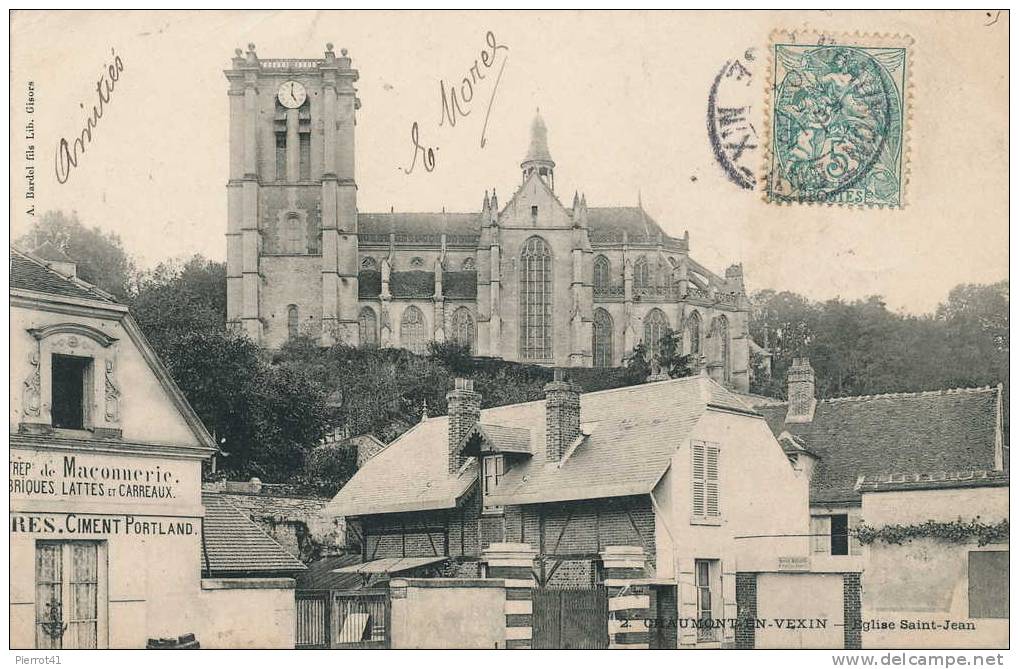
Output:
x=292 y=321
x=369 y=264
x=294 y=236
x=601 y=338
x=368 y=328
x=462 y=328
x=693 y=333
x=468 y=265
x=720 y=330
x=602 y=272
x=655 y=326
x=536 y=300
x=641 y=274
x=412 y=330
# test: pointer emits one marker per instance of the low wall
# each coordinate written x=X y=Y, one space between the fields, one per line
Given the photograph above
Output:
x=917 y=596
x=246 y=613
x=448 y=613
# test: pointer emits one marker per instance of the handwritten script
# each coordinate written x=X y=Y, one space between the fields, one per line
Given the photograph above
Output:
x=457 y=99
x=68 y=153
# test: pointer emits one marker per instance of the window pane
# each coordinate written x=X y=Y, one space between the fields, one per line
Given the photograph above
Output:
x=305 y=157
x=367 y=328
x=655 y=325
x=281 y=156
x=463 y=328
x=412 y=331
x=48 y=595
x=840 y=534
x=601 y=342
x=292 y=321
x=536 y=301
x=693 y=333
x=68 y=394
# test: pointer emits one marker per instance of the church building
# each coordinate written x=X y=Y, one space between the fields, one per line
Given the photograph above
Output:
x=530 y=279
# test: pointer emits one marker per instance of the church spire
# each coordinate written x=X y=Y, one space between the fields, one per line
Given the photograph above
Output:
x=538 y=158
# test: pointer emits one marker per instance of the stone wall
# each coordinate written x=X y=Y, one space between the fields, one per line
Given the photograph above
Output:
x=296 y=523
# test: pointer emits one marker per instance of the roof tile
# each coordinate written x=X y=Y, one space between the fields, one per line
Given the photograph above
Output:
x=900 y=432
x=30 y=273
x=631 y=435
x=233 y=543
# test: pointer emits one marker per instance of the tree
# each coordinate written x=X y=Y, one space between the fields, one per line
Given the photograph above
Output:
x=99 y=256
x=330 y=466
x=265 y=417
x=862 y=348
x=180 y=297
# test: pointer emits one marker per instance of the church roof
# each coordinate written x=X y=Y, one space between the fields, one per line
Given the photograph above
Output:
x=910 y=433
x=605 y=223
x=419 y=223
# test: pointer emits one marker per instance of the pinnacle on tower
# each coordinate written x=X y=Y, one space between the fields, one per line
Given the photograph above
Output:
x=538 y=158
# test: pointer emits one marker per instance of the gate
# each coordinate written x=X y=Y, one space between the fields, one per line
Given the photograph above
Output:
x=360 y=619
x=570 y=619
x=312 y=614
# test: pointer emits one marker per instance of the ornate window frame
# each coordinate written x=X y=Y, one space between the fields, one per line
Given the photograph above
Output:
x=102 y=409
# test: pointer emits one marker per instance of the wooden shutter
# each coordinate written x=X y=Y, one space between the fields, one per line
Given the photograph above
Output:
x=698 y=476
x=820 y=530
x=988 y=584
x=712 y=503
x=855 y=547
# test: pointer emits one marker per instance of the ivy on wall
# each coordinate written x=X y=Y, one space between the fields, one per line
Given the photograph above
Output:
x=956 y=531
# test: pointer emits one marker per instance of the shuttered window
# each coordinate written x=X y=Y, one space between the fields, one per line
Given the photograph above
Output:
x=705 y=480
x=820 y=534
x=988 y=584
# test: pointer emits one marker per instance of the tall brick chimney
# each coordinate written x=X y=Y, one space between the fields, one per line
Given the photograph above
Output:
x=463 y=406
x=562 y=415
x=800 y=381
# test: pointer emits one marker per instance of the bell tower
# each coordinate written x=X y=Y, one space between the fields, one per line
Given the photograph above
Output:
x=292 y=198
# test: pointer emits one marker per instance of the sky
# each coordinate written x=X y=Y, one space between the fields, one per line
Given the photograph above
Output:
x=624 y=96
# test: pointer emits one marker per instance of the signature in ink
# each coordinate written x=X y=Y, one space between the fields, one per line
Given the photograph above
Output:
x=457 y=100
x=68 y=153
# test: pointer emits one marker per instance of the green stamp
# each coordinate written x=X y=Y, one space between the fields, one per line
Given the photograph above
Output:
x=837 y=121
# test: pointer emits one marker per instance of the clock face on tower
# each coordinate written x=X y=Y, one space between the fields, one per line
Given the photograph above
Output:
x=292 y=94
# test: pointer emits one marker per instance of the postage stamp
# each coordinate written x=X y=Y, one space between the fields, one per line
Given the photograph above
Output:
x=837 y=119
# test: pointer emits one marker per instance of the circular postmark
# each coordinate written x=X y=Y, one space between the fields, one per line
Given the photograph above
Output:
x=834 y=111
x=731 y=131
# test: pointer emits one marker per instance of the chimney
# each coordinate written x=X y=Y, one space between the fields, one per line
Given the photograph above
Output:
x=562 y=416
x=57 y=259
x=463 y=406
x=801 y=392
